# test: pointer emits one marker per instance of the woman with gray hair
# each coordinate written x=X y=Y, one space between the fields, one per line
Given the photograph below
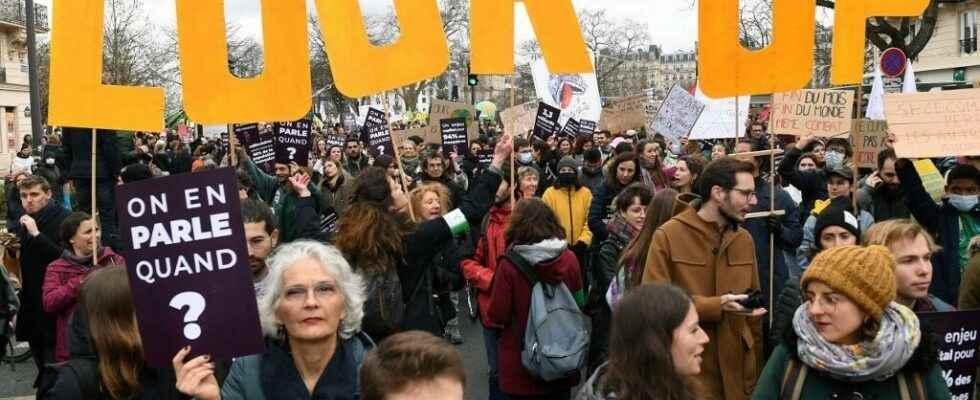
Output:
x=311 y=314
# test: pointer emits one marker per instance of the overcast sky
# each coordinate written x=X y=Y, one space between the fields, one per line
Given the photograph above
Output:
x=673 y=24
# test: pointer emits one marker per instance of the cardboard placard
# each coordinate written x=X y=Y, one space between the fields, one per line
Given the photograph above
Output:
x=677 y=115
x=188 y=267
x=935 y=124
x=453 y=136
x=626 y=114
x=292 y=142
x=955 y=334
x=376 y=134
x=818 y=112
x=518 y=120
x=870 y=138
x=257 y=141
x=442 y=109
x=571 y=129
x=546 y=121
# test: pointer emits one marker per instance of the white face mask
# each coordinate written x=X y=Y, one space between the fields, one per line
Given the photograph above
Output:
x=833 y=159
x=963 y=203
x=524 y=158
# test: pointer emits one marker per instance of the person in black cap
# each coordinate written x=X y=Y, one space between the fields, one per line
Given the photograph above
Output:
x=839 y=189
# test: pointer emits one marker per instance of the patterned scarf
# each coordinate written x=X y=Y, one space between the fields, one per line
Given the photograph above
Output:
x=875 y=360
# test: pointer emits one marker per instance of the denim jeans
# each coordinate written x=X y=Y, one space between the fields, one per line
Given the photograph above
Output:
x=490 y=339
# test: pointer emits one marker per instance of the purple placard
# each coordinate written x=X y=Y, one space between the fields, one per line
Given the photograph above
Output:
x=376 y=135
x=571 y=129
x=955 y=335
x=257 y=142
x=546 y=122
x=292 y=142
x=453 y=136
x=586 y=127
x=188 y=267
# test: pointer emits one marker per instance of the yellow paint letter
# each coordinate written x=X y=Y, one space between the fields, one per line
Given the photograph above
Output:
x=555 y=25
x=212 y=95
x=727 y=69
x=78 y=97
x=850 y=17
x=363 y=69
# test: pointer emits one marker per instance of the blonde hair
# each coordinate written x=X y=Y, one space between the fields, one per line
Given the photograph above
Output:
x=888 y=232
x=418 y=194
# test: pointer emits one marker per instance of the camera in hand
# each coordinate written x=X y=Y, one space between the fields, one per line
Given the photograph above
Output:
x=754 y=301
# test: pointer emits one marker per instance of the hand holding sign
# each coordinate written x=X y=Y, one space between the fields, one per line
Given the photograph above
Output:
x=196 y=377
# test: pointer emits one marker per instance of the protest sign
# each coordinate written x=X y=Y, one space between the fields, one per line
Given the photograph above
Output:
x=423 y=132
x=441 y=109
x=292 y=142
x=518 y=120
x=571 y=129
x=184 y=132
x=870 y=138
x=188 y=267
x=677 y=115
x=955 y=335
x=485 y=157
x=718 y=120
x=817 y=112
x=546 y=121
x=257 y=142
x=214 y=131
x=586 y=127
x=935 y=124
x=335 y=141
x=453 y=136
x=932 y=180
x=575 y=95
x=628 y=113
x=376 y=133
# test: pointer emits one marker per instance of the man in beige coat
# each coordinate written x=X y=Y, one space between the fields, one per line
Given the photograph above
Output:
x=705 y=252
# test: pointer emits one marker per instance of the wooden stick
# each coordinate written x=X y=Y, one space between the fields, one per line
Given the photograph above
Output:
x=513 y=154
x=95 y=207
x=855 y=135
x=772 y=235
x=232 y=158
x=765 y=214
x=758 y=153
x=398 y=159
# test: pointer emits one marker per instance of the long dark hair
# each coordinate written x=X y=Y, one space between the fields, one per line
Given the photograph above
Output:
x=532 y=221
x=612 y=178
x=660 y=210
x=369 y=234
x=640 y=338
x=108 y=303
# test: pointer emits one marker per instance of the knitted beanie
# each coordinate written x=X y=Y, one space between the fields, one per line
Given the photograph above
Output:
x=836 y=215
x=567 y=161
x=864 y=274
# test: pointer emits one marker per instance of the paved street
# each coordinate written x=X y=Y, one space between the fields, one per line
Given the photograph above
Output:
x=16 y=382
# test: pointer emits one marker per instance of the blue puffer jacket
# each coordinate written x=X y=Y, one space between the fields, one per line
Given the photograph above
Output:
x=943 y=222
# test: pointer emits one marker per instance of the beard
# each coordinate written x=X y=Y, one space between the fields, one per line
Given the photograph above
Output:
x=258 y=267
x=732 y=215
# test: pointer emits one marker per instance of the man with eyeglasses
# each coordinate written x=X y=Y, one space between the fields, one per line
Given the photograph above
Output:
x=882 y=194
x=703 y=251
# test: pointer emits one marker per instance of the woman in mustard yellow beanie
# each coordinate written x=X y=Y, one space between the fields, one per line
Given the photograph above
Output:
x=850 y=339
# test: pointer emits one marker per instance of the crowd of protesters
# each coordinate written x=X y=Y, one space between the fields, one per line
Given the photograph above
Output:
x=694 y=289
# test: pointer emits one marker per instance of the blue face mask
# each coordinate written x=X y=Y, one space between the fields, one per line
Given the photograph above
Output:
x=963 y=203
x=524 y=158
x=833 y=159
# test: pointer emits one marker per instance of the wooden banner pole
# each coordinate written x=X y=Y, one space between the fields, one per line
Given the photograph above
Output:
x=95 y=206
x=398 y=159
x=772 y=235
x=232 y=157
x=513 y=171
x=855 y=136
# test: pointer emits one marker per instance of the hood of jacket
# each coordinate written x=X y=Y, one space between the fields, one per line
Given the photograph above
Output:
x=544 y=256
x=68 y=262
x=499 y=215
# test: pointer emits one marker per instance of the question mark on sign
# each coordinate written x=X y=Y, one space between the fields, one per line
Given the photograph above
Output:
x=292 y=152
x=195 y=307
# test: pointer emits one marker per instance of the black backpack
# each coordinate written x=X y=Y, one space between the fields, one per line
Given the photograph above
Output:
x=384 y=307
x=82 y=370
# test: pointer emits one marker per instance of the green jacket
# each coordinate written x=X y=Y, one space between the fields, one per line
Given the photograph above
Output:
x=820 y=386
x=282 y=199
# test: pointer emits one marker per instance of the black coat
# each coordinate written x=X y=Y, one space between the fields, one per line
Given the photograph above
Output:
x=78 y=154
x=36 y=253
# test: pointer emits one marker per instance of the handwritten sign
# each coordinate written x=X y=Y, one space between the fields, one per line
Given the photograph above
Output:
x=955 y=334
x=188 y=266
x=935 y=124
x=546 y=121
x=817 y=112
x=453 y=136
x=870 y=137
x=932 y=180
x=721 y=119
x=376 y=133
x=626 y=114
x=678 y=114
x=518 y=120
x=442 y=109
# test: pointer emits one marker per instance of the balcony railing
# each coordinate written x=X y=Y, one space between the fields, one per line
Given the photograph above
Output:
x=13 y=12
x=968 y=45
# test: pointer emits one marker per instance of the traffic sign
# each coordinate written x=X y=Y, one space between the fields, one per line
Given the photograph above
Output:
x=893 y=62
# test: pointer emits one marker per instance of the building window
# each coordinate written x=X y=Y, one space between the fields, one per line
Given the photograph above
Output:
x=968 y=32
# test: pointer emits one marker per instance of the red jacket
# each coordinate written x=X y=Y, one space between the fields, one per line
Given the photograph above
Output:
x=510 y=302
x=62 y=283
x=479 y=269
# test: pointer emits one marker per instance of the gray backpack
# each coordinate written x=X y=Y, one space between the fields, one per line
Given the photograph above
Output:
x=556 y=341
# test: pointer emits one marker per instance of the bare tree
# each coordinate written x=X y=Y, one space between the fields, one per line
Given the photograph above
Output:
x=897 y=32
x=612 y=41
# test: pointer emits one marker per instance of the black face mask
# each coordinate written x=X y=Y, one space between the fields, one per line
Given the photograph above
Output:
x=566 y=179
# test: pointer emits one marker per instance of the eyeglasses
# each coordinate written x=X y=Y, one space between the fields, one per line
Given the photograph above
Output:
x=745 y=192
x=301 y=293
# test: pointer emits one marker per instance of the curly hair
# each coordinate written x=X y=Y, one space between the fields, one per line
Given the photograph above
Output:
x=532 y=221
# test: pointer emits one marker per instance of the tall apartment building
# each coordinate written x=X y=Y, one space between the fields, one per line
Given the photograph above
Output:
x=952 y=55
x=15 y=112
